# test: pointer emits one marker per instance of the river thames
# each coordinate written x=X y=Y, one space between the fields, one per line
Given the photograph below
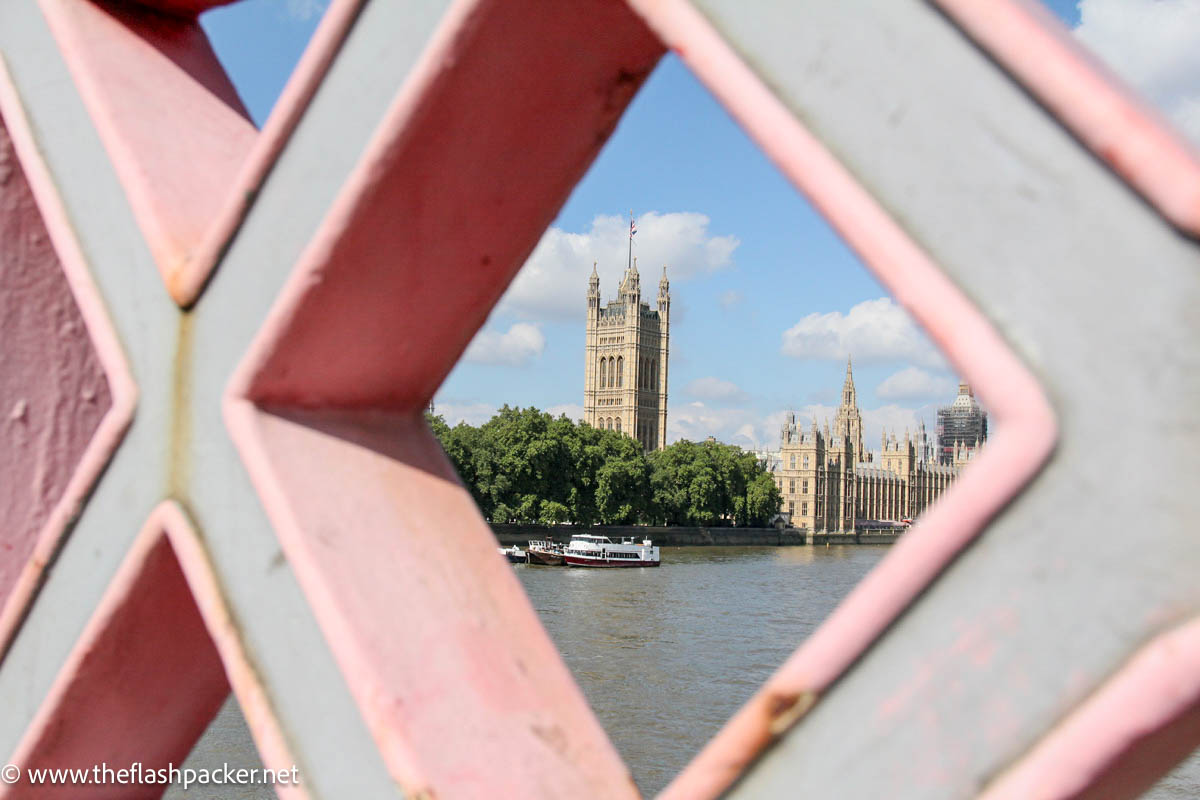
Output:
x=666 y=655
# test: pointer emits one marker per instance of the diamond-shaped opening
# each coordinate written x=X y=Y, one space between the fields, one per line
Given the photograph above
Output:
x=65 y=402
x=190 y=168
x=764 y=303
x=448 y=201
x=150 y=670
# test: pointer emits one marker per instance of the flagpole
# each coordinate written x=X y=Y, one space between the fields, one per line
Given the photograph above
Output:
x=629 y=262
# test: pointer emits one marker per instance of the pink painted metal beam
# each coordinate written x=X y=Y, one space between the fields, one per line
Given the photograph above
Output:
x=147 y=675
x=65 y=391
x=450 y=197
x=171 y=121
x=372 y=517
x=443 y=242
x=184 y=8
x=142 y=684
x=304 y=82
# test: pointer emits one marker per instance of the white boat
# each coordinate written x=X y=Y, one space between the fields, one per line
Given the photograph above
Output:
x=514 y=554
x=589 y=550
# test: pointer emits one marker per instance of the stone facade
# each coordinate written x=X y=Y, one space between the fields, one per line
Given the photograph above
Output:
x=625 y=371
x=831 y=483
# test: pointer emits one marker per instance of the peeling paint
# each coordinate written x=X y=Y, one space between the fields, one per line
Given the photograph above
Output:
x=49 y=363
x=784 y=711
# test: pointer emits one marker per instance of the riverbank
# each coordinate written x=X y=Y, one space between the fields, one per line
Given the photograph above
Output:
x=680 y=536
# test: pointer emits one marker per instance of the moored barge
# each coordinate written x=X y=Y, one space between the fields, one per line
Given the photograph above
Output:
x=546 y=553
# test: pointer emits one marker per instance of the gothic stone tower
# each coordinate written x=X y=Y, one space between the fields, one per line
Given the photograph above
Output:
x=848 y=423
x=625 y=374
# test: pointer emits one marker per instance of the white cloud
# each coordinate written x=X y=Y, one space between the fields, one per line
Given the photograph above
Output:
x=895 y=418
x=751 y=428
x=716 y=390
x=1155 y=46
x=306 y=9
x=573 y=411
x=521 y=344
x=744 y=427
x=913 y=383
x=730 y=298
x=874 y=331
x=553 y=282
x=470 y=413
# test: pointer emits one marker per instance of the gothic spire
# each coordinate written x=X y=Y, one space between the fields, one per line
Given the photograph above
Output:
x=849 y=398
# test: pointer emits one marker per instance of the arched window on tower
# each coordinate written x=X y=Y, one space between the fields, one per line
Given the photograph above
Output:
x=618 y=423
x=641 y=373
x=620 y=379
x=653 y=373
x=603 y=373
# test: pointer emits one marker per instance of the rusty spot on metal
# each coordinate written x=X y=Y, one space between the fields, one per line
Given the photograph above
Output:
x=554 y=737
x=785 y=710
x=622 y=88
x=181 y=407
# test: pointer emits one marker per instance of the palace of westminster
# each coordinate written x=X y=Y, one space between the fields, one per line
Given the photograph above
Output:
x=829 y=481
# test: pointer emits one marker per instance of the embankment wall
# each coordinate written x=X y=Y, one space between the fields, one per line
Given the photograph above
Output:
x=688 y=537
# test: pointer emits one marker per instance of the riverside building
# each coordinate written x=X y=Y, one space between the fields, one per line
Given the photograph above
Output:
x=625 y=371
x=832 y=484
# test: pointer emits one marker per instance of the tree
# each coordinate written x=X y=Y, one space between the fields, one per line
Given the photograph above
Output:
x=524 y=465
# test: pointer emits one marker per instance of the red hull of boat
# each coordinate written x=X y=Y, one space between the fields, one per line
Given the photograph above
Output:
x=576 y=561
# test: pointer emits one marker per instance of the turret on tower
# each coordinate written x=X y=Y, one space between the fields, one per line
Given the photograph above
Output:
x=593 y=295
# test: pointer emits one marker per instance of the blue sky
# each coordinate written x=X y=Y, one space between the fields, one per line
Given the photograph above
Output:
x=766 y=300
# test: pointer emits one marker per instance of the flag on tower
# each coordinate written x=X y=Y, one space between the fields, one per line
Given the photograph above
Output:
x=632 y=227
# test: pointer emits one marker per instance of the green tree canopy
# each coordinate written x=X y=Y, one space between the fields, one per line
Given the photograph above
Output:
x=526 y=466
